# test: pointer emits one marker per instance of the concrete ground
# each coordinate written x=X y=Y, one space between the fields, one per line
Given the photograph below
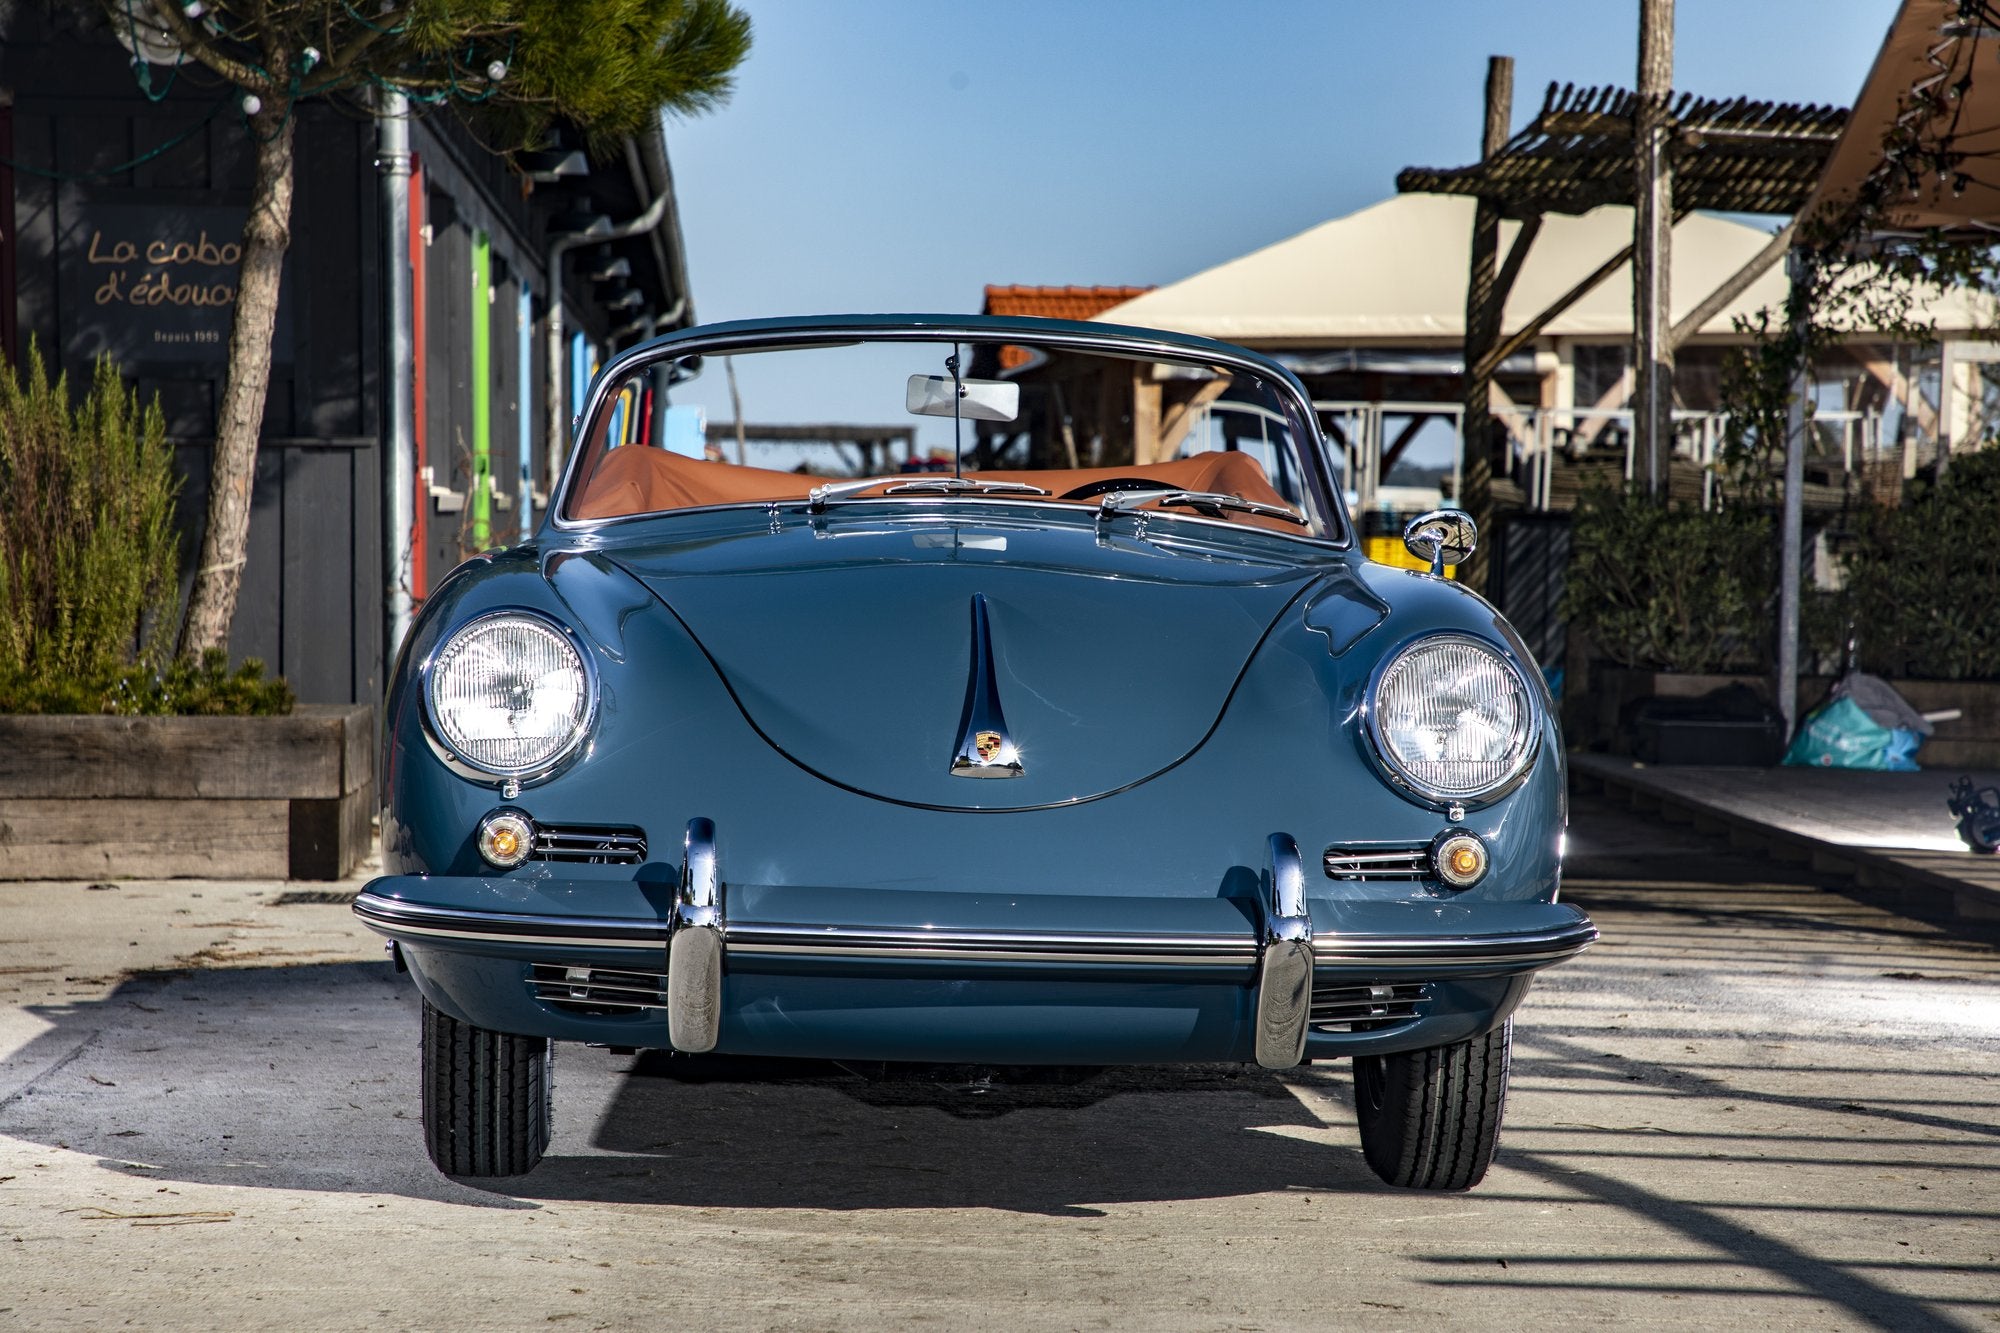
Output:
x=1888 y=837
x=1754 y=1104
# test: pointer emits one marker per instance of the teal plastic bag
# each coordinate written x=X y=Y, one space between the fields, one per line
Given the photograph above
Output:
x=1842 y=735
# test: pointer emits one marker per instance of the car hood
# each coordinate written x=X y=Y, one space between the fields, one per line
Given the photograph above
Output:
x=850 y=645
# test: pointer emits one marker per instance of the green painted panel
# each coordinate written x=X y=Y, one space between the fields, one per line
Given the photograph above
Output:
x=482 y=390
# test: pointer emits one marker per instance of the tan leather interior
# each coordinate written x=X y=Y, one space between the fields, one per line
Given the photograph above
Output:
x=633 y=479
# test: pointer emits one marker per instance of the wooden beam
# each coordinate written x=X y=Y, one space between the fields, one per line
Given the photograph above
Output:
x=1531 y=330
x=1178 y=415
x=1394 y=453
x=1517 y=255
x=1653 y=242
x=1484 y=302
x=1145 y=419
x=1732 y=287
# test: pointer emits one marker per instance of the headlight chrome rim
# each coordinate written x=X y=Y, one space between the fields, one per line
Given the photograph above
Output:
x=1427 y=793
x=478 y=770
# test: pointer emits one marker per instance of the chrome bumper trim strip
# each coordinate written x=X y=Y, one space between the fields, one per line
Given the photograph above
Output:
x=393 y=917
x=1525 y=947
x=775 y=939
x=1005 y=946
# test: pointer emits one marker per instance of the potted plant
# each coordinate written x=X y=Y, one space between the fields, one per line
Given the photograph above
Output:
x=118 y=759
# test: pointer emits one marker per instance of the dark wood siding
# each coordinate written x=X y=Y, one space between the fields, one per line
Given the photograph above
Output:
x=311 y=602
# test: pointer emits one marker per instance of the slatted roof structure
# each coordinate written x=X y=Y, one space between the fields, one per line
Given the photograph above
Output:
x=1730 y=156
x=1581 y=152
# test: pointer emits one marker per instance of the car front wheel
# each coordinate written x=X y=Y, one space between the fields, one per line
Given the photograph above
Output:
x=487 y=1097
x=1430 y=1119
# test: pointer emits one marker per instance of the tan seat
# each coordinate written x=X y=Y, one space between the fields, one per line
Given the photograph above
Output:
x=637 y=480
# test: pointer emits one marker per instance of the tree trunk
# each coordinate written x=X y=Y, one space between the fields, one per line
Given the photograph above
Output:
x=233 y=462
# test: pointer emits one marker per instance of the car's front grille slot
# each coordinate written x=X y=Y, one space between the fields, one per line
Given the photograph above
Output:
x=1351 y=1008
x=591 y=844
x=1379 y=861
x=597 y=990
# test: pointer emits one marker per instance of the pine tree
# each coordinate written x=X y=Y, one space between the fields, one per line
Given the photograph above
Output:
x=517 y=66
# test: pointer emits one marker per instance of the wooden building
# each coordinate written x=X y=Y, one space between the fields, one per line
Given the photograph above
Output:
x=123 y=190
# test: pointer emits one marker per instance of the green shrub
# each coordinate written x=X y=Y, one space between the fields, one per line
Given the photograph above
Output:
x=1668 y=587
x=1923 y=580
x=88 y=579
x=205 y=688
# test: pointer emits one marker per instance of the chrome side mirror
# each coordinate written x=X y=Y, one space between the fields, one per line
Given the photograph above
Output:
x=1443 y=537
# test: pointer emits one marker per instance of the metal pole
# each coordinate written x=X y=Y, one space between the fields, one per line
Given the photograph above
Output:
x=1947 y=403
x=553 y=372
x=1652 y=245
x=1793 y=524
x=399 y=447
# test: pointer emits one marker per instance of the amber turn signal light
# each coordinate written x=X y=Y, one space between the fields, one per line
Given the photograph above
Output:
x=505 y=838
x=1459 y=858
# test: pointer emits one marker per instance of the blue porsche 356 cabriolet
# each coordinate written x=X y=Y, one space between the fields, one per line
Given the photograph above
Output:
x=1057 y=721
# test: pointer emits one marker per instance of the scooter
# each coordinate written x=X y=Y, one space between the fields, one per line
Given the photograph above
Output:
x=1978 y=813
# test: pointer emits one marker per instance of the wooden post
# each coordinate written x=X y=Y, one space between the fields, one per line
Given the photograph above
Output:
x=1484 y=301
x=1652 y=246
x=1145 y=417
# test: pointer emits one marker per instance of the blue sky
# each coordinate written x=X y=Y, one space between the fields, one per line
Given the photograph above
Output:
x=894 y=155
x=890 y=154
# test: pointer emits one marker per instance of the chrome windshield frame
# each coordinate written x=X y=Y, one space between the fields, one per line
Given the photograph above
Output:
x=806 y=332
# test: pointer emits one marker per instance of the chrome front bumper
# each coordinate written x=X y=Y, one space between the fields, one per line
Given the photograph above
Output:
x=696 y=936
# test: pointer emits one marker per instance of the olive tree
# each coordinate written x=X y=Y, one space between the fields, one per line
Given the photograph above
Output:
x=516 y=66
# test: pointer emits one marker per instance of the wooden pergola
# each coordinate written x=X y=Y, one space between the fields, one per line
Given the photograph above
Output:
x=1576 y=155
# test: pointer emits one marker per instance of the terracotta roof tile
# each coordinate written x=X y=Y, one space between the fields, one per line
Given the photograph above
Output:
x=1057 y=302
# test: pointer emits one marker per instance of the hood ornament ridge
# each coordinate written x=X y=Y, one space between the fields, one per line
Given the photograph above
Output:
x=985 y=750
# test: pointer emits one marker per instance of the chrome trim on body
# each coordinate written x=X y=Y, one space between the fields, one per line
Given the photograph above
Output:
x=396 y=918
x=1537 y=948
x=694 y=953
x=985 y=750
x=1112 y=339
x=775 y=939
x=1285 y=971
x=1012 y=946
x=1377 y=861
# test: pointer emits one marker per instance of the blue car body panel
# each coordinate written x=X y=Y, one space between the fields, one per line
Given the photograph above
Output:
x=796 y=678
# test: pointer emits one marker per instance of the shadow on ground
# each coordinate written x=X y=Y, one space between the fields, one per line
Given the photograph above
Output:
x=305 y=1077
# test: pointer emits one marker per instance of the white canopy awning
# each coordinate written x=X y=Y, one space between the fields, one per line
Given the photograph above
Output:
x=1394 y=274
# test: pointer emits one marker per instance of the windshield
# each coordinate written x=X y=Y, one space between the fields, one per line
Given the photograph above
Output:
x=950 y=419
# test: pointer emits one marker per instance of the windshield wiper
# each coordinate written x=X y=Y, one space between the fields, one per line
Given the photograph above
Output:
x=1209 y=503
x=817 y=497
x=961 y=485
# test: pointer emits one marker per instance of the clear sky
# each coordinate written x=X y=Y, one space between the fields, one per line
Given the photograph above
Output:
x=898 y=155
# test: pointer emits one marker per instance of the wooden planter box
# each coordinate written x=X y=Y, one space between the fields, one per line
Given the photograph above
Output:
x=87 y=797
x=1593 y=706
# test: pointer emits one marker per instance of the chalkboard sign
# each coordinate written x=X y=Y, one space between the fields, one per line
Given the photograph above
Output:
x=155 y=283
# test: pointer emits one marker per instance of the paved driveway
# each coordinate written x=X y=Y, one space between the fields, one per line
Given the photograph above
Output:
x=1753 y=1105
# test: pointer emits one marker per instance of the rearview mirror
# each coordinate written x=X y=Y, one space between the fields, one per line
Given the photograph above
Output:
x=976 y=400
x=1443 y=537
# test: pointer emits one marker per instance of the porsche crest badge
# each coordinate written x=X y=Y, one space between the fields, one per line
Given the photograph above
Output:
x=984 y=750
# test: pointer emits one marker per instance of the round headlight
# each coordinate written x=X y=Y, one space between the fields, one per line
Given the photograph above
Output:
x=508 y=694
x=1452 y=718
